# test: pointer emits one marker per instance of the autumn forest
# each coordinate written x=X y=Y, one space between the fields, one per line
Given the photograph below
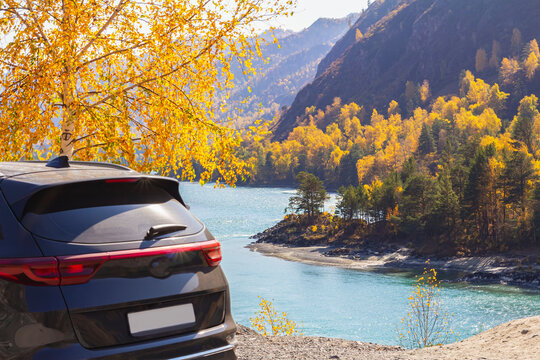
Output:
x=458 y=174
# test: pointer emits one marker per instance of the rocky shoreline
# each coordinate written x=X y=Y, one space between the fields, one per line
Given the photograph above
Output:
x=517 y=339
x=507 y=269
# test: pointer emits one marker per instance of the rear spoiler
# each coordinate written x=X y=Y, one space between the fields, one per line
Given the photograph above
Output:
x=19 y=193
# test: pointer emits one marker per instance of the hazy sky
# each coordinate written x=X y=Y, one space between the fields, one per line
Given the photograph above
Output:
x=307 y=11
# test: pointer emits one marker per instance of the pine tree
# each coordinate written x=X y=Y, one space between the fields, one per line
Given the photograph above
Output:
x=310 y=195
x=426 y=143
x=349 y=202
x=416 y=195
x=408 y=169
x=477 y=196
x=446 y=207
x=518 y=170
x=390 y=192
x=347 y=166
x=268 y=169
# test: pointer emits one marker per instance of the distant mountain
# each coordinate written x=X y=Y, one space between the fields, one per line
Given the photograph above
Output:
x=418 y=40
x=291 y=65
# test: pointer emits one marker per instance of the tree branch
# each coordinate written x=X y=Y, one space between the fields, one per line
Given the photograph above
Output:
x=169 y=73
x=100 y=144
x=40 y=29
x=13 y=65
x=110 y=54
x=103 y=28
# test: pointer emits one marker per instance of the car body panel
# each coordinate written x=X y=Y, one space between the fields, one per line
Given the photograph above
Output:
x=32 y=318
x=15 y=240
x=89 y=319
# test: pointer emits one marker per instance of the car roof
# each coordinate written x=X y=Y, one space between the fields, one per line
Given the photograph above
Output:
x=14 y=168
x=37 y=172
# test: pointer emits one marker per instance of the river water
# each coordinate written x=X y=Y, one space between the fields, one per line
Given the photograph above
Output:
x=330 y=301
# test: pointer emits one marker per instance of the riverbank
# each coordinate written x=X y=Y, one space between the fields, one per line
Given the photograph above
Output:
x=474 y=269
x=517 y=339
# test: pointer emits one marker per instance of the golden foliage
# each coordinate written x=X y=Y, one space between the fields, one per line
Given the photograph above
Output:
x=126 y=81
x=338 y=140
x=532 y=47
x=267 y=321
x=531 y=64
x=426 y=322
x=509 y=69
x=386 y=141
x=358 y=35
x=425 y=92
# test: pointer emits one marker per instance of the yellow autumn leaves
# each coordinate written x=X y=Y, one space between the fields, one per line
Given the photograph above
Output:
x=126 y=81
x=384 y=141
x=269 y=322
x=426 y=322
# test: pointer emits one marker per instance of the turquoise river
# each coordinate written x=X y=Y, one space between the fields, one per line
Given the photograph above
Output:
x=330 y=301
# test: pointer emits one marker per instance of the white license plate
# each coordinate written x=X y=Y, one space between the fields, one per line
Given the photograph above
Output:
x=151 y=320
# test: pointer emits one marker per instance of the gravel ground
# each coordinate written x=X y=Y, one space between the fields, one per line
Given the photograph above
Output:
x=515 y=340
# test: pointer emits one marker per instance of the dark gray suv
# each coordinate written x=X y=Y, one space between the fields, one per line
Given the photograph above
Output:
x=99 y=261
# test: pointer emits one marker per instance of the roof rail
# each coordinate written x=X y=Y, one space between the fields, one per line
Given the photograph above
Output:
x=89 y=163
x=102 y=164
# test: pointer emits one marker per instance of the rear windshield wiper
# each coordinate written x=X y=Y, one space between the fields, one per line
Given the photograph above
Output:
x=158 y=230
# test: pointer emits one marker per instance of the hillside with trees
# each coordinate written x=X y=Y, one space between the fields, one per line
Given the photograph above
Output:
x=460 y=175
x=432 y=40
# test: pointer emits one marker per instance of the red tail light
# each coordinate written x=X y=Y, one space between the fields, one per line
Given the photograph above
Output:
x=79 y=269
x=31 y=271
x=213 y=255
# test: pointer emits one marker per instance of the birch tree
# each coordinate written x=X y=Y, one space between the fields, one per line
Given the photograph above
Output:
x=129 y=81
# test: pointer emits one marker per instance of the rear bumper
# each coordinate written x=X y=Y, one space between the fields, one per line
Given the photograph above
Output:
x=209 y=344
x=224 y=352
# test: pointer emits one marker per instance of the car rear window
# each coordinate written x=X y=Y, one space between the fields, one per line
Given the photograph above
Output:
x=105 y=211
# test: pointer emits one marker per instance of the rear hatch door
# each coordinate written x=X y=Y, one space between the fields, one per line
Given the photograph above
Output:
x=134 y=263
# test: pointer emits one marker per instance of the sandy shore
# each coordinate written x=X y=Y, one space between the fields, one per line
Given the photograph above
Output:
x=315 y=255
x=518 y=339
x=399 y=259
x=485 y=266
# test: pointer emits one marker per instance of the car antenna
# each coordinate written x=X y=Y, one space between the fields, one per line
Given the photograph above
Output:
x=59 y=162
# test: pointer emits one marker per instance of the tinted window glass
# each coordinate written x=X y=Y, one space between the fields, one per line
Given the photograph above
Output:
x=101 y=212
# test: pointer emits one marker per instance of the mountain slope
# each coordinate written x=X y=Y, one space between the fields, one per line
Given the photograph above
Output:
x=369 y=17
x=421 y=39
x=291 y=65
